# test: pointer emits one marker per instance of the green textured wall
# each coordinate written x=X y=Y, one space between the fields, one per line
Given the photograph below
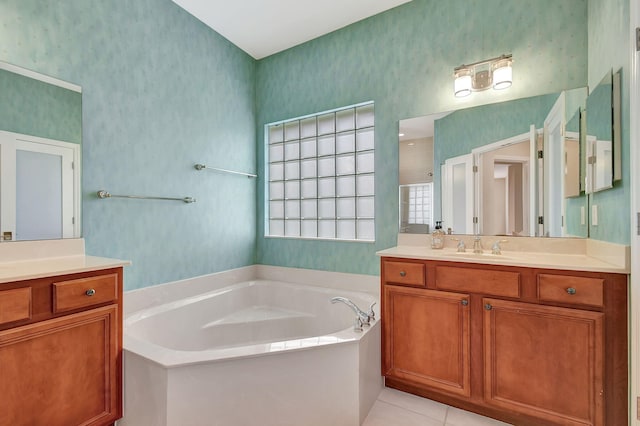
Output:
x=161 y=91
x=403 y=60
x=609 y=51
x=36 y=108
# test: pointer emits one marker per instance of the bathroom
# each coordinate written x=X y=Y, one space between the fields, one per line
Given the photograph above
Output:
x=161 y=92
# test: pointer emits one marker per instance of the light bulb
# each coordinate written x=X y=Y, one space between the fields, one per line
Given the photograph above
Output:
x=502 y=74
x=462 y=83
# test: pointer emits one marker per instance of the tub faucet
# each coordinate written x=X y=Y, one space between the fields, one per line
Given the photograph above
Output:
x=362 y=317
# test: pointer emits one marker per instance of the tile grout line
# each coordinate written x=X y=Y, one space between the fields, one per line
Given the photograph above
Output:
x=415 y=412
x=446 y=414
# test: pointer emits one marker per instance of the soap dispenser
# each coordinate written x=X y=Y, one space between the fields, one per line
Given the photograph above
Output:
x=437 y=237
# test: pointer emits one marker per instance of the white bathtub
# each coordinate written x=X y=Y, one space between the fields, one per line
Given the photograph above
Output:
x=259 y=351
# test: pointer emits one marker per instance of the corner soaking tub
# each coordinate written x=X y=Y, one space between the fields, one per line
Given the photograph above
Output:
x=256 y=352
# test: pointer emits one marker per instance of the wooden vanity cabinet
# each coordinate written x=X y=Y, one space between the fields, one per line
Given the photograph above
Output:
x=527 y=346
x=428 y=339
x=61 y=356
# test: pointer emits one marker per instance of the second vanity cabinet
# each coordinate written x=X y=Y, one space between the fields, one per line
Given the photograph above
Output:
x=60 y=349
x=524 y=345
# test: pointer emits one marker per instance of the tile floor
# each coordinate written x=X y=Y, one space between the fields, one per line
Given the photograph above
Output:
x=395 y=408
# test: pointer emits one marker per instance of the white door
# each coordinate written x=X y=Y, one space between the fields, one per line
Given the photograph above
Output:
x=553 y=152
x=533 y=180
x=457 y=194
x=38 y=188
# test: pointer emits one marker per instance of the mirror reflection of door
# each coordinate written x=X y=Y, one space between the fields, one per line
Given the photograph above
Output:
x=457 y=194
x=504 y=176
x=571 y=165
x=39 y=180
x=554 y=170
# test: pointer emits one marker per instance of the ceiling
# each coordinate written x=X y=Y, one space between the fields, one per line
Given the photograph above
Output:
x=419 y=127
x=264 y=27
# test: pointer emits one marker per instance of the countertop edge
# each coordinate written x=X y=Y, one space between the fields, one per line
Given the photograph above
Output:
x=587 y=264
x=55 y=266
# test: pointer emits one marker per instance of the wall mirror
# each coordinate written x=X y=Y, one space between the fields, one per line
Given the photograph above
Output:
x=40 y=156
x=603 y=134
x=510 y=168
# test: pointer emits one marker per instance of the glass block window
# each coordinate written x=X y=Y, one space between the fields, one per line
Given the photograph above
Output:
x=321 y=175
x=419 y=203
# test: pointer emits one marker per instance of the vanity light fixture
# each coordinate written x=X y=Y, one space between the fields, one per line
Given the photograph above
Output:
x=494 y=72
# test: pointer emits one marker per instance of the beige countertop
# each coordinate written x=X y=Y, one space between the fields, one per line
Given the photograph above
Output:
x=575 y=255
x=24 y=260
x=48 y=267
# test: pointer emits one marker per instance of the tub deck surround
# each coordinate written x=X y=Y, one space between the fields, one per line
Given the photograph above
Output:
x=142 y=298
x=552 y=253
x=256 y=350
x=24 y=260
x=252 y=318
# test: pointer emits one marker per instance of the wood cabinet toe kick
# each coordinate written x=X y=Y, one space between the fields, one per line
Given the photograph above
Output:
x=527 y=346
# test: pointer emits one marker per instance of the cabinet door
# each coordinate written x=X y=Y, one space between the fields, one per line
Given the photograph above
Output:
x=61 y=372
x=426 y=338
x=544 y=361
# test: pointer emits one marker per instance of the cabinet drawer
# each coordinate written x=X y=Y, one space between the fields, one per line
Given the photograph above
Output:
x=406 y=273
x=15 y=305
x=570 y=289
x=83 y=292
x=483 y=281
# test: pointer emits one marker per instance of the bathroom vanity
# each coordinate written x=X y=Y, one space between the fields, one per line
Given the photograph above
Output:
x=528 y=339
x=61 y=340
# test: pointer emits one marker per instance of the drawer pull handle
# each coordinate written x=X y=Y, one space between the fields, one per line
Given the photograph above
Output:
x=403 y=273
x=464 y=302
x=571 y=290
x=90 y=292
x=488 y=306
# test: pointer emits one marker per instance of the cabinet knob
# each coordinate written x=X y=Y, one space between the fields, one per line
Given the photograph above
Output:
x=464 y=302
x=488 y=306
x=403 y=273
x=571 y=290
x=90 y=292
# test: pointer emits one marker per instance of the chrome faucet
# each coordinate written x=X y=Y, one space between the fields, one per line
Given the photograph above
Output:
x=362 y=317
x=461 y=247
x=496 y=249
x=477 y=245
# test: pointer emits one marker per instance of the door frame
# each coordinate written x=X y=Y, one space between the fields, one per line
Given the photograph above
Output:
x=634 y=284
x=554 y=164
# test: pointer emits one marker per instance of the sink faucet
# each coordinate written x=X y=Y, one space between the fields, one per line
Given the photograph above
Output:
x=461 y=246
x=477 y=245
x=362 y=318
x=496 y=249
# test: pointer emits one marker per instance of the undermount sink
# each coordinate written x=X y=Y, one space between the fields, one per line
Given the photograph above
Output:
x=484 y=255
